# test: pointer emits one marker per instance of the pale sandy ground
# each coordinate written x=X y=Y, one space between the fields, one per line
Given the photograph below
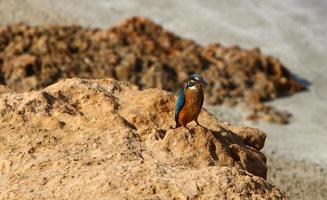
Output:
x=293 y=30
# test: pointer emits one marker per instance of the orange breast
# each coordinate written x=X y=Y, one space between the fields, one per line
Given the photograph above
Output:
x=192 y=106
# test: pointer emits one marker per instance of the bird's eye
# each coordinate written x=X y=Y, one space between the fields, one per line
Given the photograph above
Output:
x=191 y=82
x=197 y=79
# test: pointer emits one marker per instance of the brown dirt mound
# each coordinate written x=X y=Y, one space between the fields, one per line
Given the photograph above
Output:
x=143 y=53
x=82 y=139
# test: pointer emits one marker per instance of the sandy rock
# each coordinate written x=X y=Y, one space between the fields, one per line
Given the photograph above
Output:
x=251 y=136
x=82 y=139
x=4 y=89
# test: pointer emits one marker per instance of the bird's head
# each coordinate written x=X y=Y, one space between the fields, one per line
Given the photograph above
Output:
x=196 y=80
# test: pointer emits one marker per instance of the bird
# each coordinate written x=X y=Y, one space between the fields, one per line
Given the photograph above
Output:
x=190 y=101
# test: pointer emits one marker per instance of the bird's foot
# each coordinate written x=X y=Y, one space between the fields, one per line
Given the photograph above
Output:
x=197 y=123
x=183 y=125
x=186 y=127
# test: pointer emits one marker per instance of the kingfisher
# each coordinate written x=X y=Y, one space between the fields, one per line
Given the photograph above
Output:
x=190 y=101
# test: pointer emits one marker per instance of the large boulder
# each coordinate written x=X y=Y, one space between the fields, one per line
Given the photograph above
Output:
x=83 y=139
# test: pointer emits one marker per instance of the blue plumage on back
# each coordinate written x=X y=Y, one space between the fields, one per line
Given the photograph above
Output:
x=179 y=103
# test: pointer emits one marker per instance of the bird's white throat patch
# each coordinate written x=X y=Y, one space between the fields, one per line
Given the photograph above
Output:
x=194 y=88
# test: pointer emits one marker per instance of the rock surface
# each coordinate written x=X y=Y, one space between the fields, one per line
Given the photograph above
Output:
x=142 y=52
x=82 y=139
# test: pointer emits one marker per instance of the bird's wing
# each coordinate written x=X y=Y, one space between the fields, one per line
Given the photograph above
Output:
x=179 y=103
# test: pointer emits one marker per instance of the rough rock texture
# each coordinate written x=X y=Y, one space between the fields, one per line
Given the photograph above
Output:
x=82 y=139
x=143 y=53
